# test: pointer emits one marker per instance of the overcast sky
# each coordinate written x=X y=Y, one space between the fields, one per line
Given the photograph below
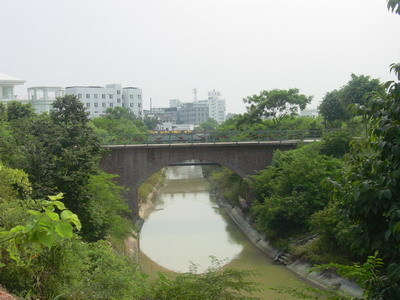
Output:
x=168 y=47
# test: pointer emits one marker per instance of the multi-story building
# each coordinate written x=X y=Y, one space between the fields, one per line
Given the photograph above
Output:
x=7 y=84
x=97 y=99
x=216 y=106
x=175 y=103
x=193 y=113
x=42 y=97
x=163 y=114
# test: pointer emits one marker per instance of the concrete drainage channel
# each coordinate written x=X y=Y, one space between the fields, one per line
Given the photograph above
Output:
x=301 y=268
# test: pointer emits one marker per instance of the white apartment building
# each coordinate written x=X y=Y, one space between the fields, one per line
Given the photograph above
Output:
x=216 y=106
x=97 y=99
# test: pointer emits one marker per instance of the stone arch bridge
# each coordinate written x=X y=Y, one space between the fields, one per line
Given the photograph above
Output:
x=135 y=163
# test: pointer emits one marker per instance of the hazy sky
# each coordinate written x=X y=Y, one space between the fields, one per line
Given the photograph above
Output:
x=168 y=47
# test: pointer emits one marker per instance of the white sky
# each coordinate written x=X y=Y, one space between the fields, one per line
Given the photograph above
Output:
x=168 y=47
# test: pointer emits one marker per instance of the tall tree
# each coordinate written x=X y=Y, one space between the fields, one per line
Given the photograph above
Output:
x=335 y=106
x=275 y=104
x=331 y=107
x=369 y=195
x=75 y=154
x=357 y=88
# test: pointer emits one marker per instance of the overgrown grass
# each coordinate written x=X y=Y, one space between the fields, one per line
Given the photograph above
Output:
x=147 y=187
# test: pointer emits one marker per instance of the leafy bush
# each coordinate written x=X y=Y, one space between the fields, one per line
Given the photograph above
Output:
x=108 y=211
x=289 y=191
x=336 y=144
x=216 y=283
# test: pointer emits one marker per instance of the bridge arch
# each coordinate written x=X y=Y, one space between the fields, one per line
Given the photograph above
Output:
x=135 y=163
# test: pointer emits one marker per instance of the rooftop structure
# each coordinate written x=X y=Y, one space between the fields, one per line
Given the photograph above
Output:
x=7 y=84
x=42 y=97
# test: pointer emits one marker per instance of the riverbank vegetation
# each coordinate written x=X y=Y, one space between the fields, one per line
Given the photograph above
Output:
x=63 y=221
x=336 y=202
x=331 y=202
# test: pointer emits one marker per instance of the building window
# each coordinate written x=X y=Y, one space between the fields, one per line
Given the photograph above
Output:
x=130 y=104
x=95 y=96
x=118 y=100
x=110 y=96
x=131 y=96
x=111 y=104
x=87 y=104
x=104 y=104
x=96 y=104
x=87 y=95
x=96 y=112
x=139 y=96
x=103 y=96
x=123 y=104
x=118 y=92
x=123 y=97
x=80 y=96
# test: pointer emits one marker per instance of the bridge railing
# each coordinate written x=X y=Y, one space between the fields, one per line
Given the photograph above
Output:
x=215 y=137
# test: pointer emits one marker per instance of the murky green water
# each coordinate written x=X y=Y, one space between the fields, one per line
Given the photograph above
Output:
x=188 y=227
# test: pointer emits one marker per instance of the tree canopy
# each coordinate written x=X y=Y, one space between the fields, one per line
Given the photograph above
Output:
x=275 y=104
x=335 y=106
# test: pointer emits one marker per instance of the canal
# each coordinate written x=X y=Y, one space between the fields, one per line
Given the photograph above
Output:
x=187 y=227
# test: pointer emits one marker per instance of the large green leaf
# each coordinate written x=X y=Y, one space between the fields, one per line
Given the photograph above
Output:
x=64 y=229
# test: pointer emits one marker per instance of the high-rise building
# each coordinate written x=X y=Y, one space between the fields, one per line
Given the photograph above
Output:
x=216 y=106
x=97 y=99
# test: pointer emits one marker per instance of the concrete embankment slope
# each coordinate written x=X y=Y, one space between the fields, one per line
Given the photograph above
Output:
x=145 y=208
x=299 y=267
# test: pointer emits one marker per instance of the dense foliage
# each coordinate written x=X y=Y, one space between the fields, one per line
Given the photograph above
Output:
x=289 y=191
x=275 y=104
x=45 y=251
x=119 y=123
x=336 y=105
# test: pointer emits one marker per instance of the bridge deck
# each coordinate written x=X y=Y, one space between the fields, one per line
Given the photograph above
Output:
x=247 y=143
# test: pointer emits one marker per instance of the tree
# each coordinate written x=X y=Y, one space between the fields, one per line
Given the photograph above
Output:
x=210 y=124
x=75 y=154
x=369 y=194
x=3 y=112
x=288 y=192
x=151 y=122
x=394 y=6
x=106 y=209
x=357 y=88
x=16 y=110
x=120 y=113
x=335 y=104
x=275 y=104
x=331 y=107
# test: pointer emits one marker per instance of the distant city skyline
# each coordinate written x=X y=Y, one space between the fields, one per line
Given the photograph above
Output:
x=168 y=47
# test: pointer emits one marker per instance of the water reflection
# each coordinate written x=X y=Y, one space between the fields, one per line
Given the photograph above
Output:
x=188 y=228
